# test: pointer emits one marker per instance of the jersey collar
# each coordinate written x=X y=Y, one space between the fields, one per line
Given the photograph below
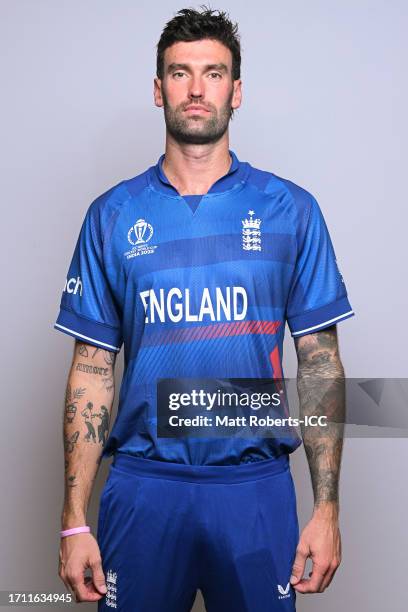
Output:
x=234 y=175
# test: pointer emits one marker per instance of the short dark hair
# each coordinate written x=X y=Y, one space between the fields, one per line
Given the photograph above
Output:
x=190 y=24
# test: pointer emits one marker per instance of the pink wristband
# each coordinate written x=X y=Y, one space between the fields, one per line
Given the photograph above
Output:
x=68 y=532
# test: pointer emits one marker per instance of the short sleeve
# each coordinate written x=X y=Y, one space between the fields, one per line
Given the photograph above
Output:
x=88 y=310
x=318 y=296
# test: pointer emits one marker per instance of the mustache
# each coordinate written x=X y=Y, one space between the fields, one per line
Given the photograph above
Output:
x=185 y=105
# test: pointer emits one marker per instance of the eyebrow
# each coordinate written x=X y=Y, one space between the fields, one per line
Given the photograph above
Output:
x=174 y=66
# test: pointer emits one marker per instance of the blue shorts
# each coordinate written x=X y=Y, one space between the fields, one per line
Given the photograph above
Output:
x=167 y=529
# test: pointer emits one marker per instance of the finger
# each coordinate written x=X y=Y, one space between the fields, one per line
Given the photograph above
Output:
x=330 y=574
x=98 y=576
x=85 y=590
x=312 y=584
x=92 y=593
x=77 y=584
x=298 y=566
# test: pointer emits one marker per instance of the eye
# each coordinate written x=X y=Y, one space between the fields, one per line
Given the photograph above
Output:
x=215 y=75
x=178 y=74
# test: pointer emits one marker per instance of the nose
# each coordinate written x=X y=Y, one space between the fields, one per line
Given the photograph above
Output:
x=196 y=87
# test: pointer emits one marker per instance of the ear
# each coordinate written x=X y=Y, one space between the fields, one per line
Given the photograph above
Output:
x=237 y=95
x=157 y=91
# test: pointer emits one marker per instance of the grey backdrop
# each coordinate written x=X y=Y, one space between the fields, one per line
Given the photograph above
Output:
x=324 y=104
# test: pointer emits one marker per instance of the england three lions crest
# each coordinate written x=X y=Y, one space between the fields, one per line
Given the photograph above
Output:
x=251 y=233
x=111 y=597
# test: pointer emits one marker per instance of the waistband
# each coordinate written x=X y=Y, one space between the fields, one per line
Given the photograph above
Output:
x=200 y=473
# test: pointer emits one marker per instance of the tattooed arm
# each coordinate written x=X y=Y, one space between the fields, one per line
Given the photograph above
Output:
x=88 y=403
x=321 y=392
x=321 y=389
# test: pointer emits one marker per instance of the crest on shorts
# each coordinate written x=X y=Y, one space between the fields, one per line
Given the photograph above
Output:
x=111 y=593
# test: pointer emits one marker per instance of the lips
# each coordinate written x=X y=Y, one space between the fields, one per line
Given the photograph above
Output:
x=196 y=108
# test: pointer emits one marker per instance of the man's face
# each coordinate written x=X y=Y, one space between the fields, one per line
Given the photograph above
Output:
x=197 y=91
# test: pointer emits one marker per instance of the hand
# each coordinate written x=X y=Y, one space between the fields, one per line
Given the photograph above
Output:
x=321 y=541
x=77 y=553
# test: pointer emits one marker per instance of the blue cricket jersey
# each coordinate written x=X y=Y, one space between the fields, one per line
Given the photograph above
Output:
x=199 y=286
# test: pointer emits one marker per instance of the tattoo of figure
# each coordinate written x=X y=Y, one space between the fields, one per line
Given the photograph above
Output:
x=103 y=426
x=89 y=415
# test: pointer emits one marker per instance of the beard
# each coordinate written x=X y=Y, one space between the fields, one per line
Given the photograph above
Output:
x=197 y=129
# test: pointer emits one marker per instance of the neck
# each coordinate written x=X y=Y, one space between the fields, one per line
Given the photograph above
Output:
x=193 y=169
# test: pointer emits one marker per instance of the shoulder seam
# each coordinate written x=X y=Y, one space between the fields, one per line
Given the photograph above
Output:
x=109 y=195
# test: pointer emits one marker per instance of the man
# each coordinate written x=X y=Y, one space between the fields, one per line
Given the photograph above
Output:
x=195 y=265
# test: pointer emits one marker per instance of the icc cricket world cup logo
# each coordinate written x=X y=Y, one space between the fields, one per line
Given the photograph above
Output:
x=140 y=232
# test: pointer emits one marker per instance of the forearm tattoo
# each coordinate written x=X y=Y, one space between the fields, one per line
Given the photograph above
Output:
x=321 y=388
x=71 y=401
x=85 y=419
x=103 y=423
x=104 y=372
